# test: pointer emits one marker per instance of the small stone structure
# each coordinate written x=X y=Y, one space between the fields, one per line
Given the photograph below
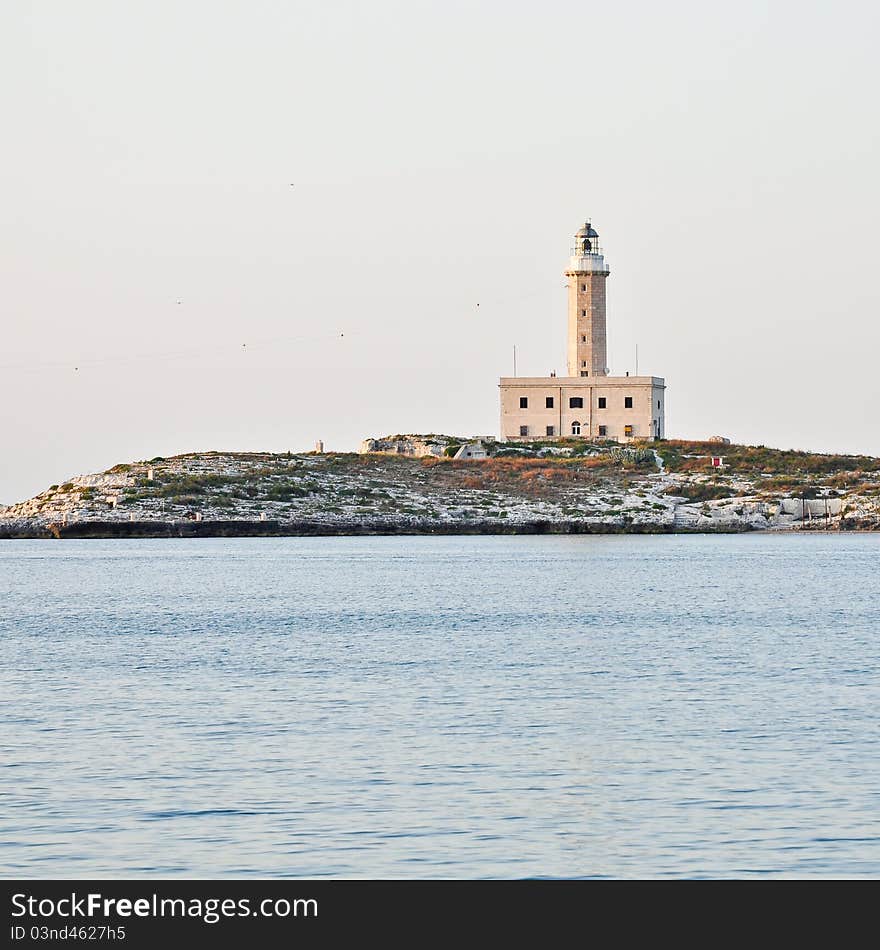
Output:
x=417 y=446
x=808 y=509
x=472 y=450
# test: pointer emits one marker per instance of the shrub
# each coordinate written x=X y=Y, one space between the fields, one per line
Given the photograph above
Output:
x=284 y=492
x=186 y=501
x=703 y=491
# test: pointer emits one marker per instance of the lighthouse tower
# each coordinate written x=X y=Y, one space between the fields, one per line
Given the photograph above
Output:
x=587 y=270
x=587 y=403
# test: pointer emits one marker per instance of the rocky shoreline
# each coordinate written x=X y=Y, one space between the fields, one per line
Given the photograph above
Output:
x=275 y=529
x=579 y=488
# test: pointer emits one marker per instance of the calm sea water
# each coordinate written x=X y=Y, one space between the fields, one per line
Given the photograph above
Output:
x=441 y=707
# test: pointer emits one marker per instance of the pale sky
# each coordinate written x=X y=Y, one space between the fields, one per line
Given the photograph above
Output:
x=330 y=188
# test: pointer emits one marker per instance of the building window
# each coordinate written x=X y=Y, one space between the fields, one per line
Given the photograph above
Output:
x=584 y=373
x=628 y=431
x=583 y=286
x=583 y=362
x=603 y=431
x=583 y=338
x=548 y=402
x=575 y=428
x=583 y=313
x=603 y=402
x=524 y=402
x=627 y=402
x=523 y=430
x=658 y=403
x=551 y=430
x=576 y=402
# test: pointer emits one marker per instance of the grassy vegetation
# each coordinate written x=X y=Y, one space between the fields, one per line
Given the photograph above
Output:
x=284 y=491
x=756 y=460
x=522 y=470
x=573 y=448
x=595 y=479
x=704 y=491
x=386 y=483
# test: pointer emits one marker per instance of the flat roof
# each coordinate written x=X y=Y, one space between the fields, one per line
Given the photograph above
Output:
x=572 y=381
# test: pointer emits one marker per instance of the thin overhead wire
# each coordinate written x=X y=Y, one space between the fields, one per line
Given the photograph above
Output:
x=81 y=361
x=162 y=356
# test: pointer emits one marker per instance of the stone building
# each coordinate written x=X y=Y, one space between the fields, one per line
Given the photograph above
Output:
x=587 y=402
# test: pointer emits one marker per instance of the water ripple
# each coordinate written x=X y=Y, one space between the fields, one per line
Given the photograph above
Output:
x=441 y=707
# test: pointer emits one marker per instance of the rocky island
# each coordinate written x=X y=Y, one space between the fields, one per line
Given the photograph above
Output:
x=569 y=486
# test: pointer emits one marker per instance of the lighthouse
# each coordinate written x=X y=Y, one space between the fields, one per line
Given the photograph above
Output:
x=589 y=402
x=586 y=273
